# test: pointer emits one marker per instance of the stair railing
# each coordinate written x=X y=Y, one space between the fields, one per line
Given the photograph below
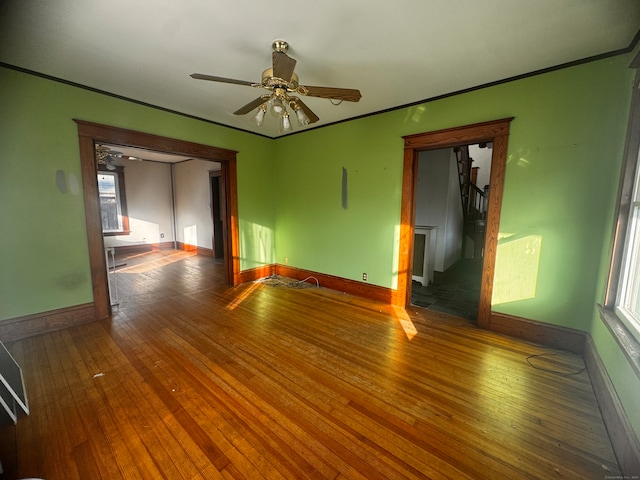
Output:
x=477 y=202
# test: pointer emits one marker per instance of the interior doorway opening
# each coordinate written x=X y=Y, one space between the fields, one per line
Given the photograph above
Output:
x=166 y=203
x=496 y=132
x=452 y=192
x=90 y=135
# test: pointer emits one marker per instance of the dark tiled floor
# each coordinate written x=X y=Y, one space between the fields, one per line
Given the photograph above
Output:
x=455 y=291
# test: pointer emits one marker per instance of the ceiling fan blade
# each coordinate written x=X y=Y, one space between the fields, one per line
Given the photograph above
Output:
x=313 y=118
x=201 y=76
x=347 y=94
x=283 y=66
x=251 y=105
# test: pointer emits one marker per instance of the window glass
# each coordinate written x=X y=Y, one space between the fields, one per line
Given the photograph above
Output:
x=110 y=202
x=628 y=302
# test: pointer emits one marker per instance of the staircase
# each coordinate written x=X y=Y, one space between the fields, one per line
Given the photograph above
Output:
x=474 y=203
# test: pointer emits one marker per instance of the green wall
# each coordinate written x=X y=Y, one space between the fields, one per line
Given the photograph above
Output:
x=43 y=254
x=564 y=157
x=562 y=170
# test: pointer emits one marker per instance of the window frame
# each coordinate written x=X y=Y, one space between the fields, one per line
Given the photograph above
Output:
x=617 y=324
x=121 y=196
x=629 y=276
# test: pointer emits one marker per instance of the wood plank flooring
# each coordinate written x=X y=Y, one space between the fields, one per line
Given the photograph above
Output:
x=191 y=379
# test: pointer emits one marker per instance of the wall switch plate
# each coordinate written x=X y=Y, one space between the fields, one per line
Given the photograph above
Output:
x=364 y=277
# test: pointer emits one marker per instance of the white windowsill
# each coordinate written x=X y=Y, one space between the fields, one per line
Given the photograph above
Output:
x=626 y=341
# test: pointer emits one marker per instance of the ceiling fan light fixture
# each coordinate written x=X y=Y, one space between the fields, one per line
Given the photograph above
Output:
x=277 y=107
x=285 y=123
x=258 y=118
x=303 y=119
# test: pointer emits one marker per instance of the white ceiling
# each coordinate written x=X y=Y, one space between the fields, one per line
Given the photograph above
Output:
x=395 y=53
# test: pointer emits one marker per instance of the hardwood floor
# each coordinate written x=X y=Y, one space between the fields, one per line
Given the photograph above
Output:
x=204 y=381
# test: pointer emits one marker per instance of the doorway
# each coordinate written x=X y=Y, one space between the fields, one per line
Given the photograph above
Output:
x=89 y=134
x=452 y=192
x=496 y=132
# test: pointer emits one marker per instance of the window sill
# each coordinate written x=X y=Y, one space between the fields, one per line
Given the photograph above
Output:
x=115 y=234
x=627 y=342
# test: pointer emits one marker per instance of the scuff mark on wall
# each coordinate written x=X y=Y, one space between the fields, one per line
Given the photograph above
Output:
x=72 y=281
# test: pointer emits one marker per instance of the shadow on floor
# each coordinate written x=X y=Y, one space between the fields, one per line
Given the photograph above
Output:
x=456 y=291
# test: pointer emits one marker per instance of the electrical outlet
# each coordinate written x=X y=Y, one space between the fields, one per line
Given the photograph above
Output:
x=162 y=235
x=286 y=260
x=364 y=277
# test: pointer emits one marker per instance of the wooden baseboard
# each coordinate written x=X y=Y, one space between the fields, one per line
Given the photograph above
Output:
x=202 y=251
x=187 y=247
x=538 y=332
x=623 y=439
x=256 y=273
x=30 y=325
x=352 y=287
x=143 y=247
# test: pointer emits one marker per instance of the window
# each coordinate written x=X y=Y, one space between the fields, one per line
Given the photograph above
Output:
x=621 y=309
x=113 y=203
x=627 y=305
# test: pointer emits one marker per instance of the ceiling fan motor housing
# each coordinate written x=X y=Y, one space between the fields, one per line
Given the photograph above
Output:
x=270 y=82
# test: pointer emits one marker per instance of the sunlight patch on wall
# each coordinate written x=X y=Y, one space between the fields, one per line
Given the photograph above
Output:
x=190 y=236
x=256 y=244
x=415 y=114
x=142 y=231
x=517 y=264
x=395 y=257
x=264 y=245
x=520 y=158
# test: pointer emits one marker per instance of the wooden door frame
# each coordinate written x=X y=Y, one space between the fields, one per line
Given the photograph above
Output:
x=497 y=132
x=91 y=133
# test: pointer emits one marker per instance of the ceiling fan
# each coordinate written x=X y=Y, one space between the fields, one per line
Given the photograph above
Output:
x=281 y=81
x=105 y=156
